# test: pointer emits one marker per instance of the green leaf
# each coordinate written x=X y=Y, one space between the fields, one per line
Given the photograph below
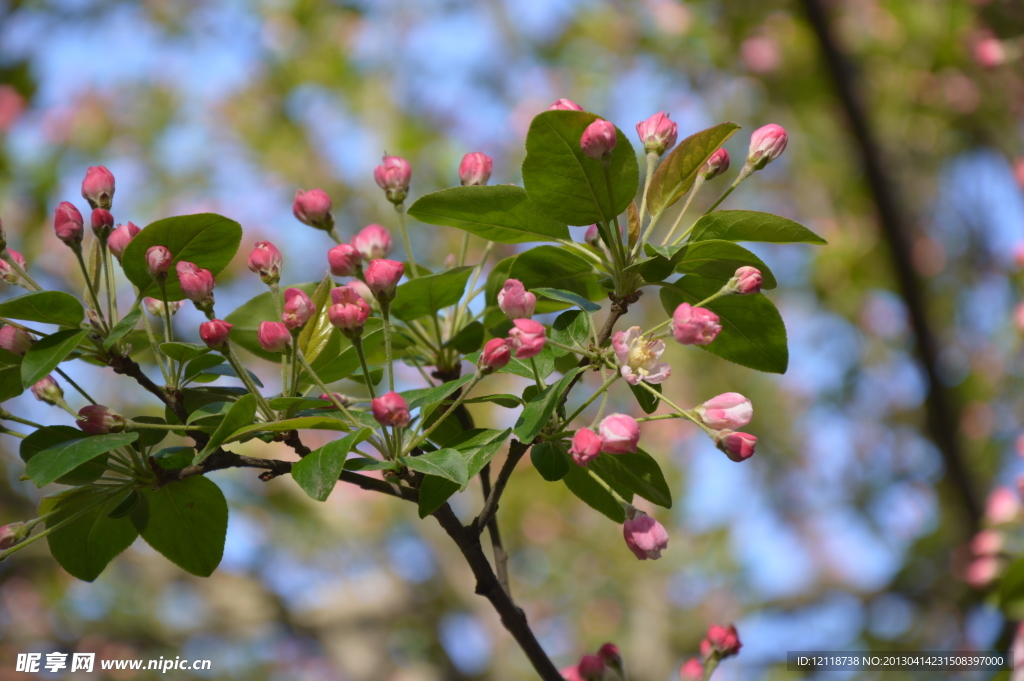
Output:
x=639 y=473
x=317 y=473
x=85 y=545
x=10 y=375
x=434 y=491
x=567 y=297
x=55 y=461
x=173 y=458
x=479 y=445
x=424 y=397
x=501 y=399
x=547 y=267
x=719 y=260
x=538 y=410
x=48 y=307
x=545 y=362
x=748 y=225
x=679 y=169
x=469 y=339
x=317 y=331
x=123 y=328
x=580 y=483
x=565 y=183
x=647 y=401
x=241 y=414
x=551 y=460
x=221 y=369
x=184 y=352
x=753 y=333
x=300 y=403
x=571 y=328
x=208 y=240
x=213 y=411
x=150 y=437
x=127 y=506
x=186 y=521
x=200 y=365
x=339 y=359
x=248 y=317
x=46 y=353
x=44 y=438
x=359 y=463
x=499 y=213
x=446 y=463
x=325 y=422
x=426 y=295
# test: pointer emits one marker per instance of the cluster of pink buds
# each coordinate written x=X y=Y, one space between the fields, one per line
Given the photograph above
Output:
x=393 y=176
x=95 y=419
x=987 y=562
x=657 y=133
x=349 y=311
x=265 y=260
x=720 y=642
x=617 y=434
x=7 y=273
x=639 y=357
x=604 y=666
x=515 y=301
x=724 y=413
x=475 y=169
x=120 y=237
x=390 y=409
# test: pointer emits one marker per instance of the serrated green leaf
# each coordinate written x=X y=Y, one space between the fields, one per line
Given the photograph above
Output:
x=184 y=352
x=469 y=339
x=546 y=267
x=48 y=307
x=446 y=463
x=719 y=260
x=499 y=213
x=501 y=399
x=315 y=334
x=571 y=328
x=748 y=225
x=679 y=169
x=46 y=353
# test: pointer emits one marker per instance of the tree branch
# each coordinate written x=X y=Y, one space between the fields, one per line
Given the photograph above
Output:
x=516 y=450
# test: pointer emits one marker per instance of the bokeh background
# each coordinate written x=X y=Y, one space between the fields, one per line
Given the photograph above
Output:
x=847 y=530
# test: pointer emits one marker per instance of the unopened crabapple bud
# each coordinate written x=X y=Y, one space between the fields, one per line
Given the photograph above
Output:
x=98 y=187
x=737 y=446
x=215 y=333
x=390 y=410
x=345 y=400
x=716 y=165
x=298 y=308
x=728 y=410
x=515 y=301
x=120 y=237
x=593 y=236
x=13 y=534
x=344 y=260
x=382 y=276
x=766 y=144
x=591 y=668
x=644 y=535
x=102 y=222
x=598 y=140
x=156 y=307
x=609 y=652
x=526 y=338
x=1003 y=505
x=746 y=281
x=982 y=571
x=99 y=420
x=692 y=670
x=349 y=310
x=475 y=168
x=363 y=290
x=620 y=434
x=7 y=272
x=313 y=208
x=694 y=325
x=274 y=336
x=265 y=260
x=571 y=673
x=657 y=133
x=495 y=355
x=586 y=446
x=565 y=105
x=68 y=224
x=48 y=390
x=373 y=242
x=723 y=641
x=15 y=340
x=393 y=177
x=158 y=261
x=989 y=52
x=196 y=283
x=987 y=542
x=450 y=261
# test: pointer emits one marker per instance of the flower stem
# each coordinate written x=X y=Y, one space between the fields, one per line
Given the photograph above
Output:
x=385 y=309
x=70 y=519
x=74 y=385
x=8 y=416
x=20 y=270
x=536 y=374
x=330 y=395
x=697 y=184
x=685 y=413
x=88 y=282
x=108 y=261
x=357 y=343
x=608 y=488
x=172 y=370
x=454 y=405
x=590 y=400
x=709 y=668
x=400 y=209
x=264 y=406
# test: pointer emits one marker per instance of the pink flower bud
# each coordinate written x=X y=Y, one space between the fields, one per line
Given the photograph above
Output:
x=475 y=168
x=766 y=145
x=692 y=670
x=450 y=261
x=343 y=260
x=265 y=260
x=586 y=446
x=99 y=420
x=298 y=308
x=215 y=333
x=620 y=434
x=591 y=668
x=393 y=177
x=156 y=307
x=571 y=673
x=382 y=276
x=48 y=390
x=989 y=52
x=13 y=534
x=102 y=222
x=349 y=311
x=363 y=290
x=609 y=652
x=565 y=105
x=158 y=260
x=1003 y=506
x=724 y=641
x=274 y=337
x=495 y=355
x=196 y=283
x=390 y=410
x=747 y=280
x=373 y=242
x=345 y=400
x=313 y=208
x=515 y=301
x=982 y=571
x=598 y=140
x=644 y=535
x=7 y=272
x=98 y=187
x=15 y=340
x=716 y=165
x=737 y=446
x=657 y=133
x=987 y=543
x=592 y=236
x=120 y=237
x=728 y=410
x=694 y=325
x=526 y=338
x=68 y=224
